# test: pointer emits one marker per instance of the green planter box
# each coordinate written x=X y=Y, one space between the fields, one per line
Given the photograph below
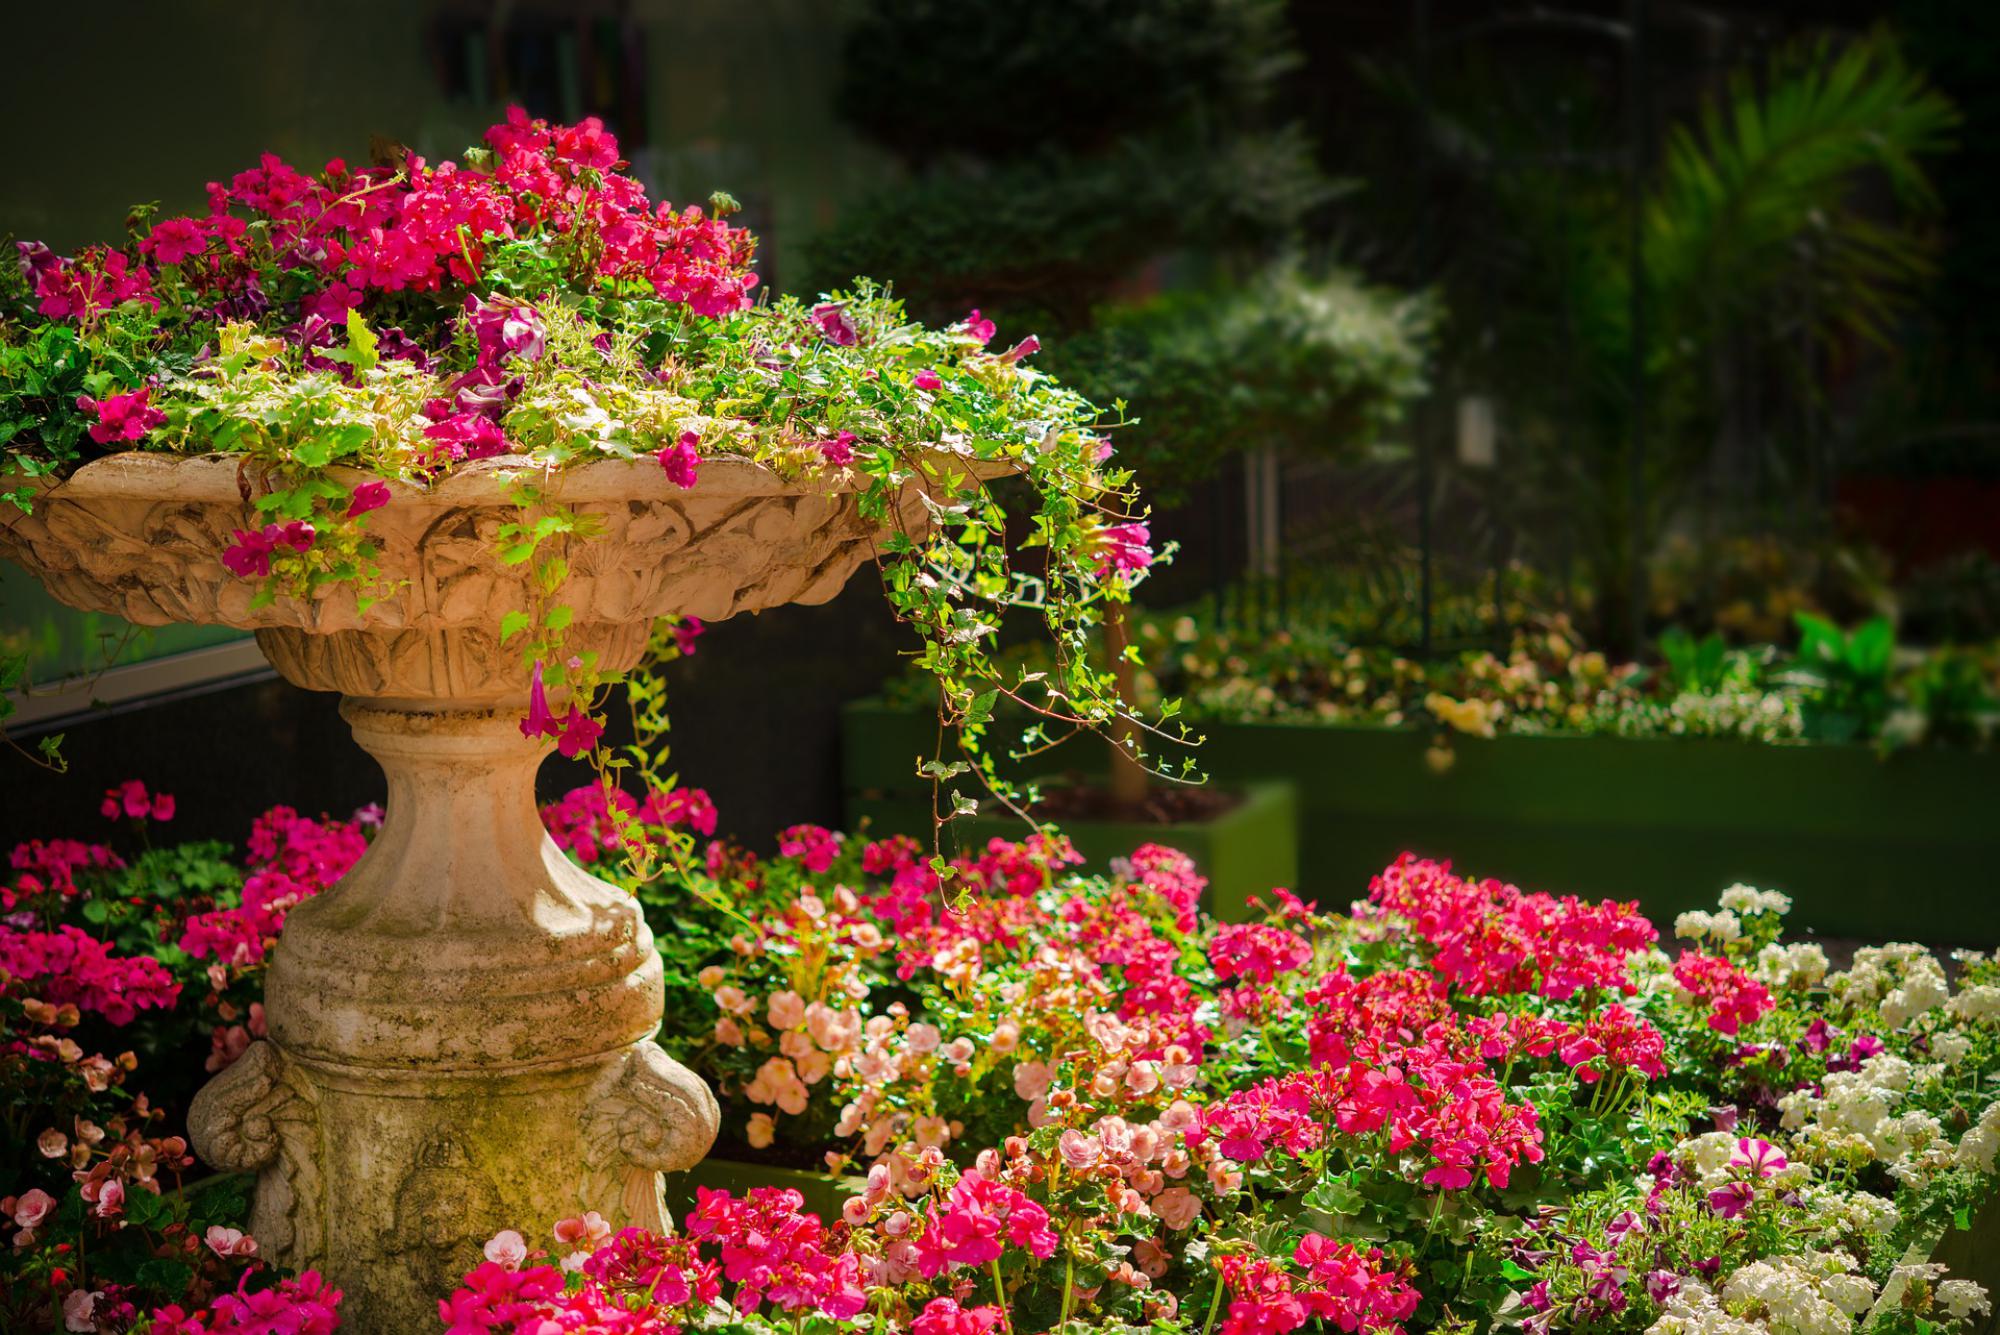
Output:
x=1967 y=1253
x=824 y=1192
x=1904 y=846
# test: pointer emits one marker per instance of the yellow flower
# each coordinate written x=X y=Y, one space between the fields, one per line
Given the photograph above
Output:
x=1468 y=716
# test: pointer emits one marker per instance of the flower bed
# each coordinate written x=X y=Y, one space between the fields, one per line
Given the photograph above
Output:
x=1077 y=1099
x=1462 y=1101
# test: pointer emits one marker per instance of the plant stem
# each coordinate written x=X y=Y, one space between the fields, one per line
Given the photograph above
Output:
x=1000 y=1295
x=1214 y=1305
x=1129 y=780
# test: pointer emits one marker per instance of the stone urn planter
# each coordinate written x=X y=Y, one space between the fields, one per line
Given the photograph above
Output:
x=461 y=1029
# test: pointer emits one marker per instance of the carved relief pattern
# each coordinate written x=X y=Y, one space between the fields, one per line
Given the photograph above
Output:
x=257 y=1117
x=649 y=1115
x=445 y=1209
x=153 y=554
x=459 y=664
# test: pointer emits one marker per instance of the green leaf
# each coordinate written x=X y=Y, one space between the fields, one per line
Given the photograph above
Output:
x=512 y=624
x=361 y=342
x=559 y=617
x=163 y=1276
x=1334 y=1195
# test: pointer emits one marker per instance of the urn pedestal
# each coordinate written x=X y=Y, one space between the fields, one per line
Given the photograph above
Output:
x=460 y=1031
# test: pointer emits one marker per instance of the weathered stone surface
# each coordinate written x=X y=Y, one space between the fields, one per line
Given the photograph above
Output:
x=460 y=1030
x=142 y=536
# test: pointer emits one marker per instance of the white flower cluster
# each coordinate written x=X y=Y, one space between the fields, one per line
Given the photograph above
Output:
x=1959 y=1298
x=1816 y=1293
x=1742 y=898
x=1760 y=716
x=1699 y=925
x=1796 y=966
x=1903 y=981
x=1978 y=1004
x=1981 y=1141
x=1724 y=925
x=1855 y=1114
x=1854 y=1214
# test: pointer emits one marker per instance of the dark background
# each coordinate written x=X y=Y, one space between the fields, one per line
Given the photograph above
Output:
x=109 y=104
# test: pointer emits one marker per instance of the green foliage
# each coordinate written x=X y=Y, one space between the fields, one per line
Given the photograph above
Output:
x=1763 y=232
x=1951 y=700
x=1695 y=665
x=1044 y=237
x=1314 y=364
x=1846 y=675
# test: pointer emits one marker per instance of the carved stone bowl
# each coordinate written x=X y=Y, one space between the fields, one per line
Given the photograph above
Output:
x=141 y=536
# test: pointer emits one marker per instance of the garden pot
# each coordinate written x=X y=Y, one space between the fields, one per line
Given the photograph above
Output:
x=1899 y=846
x=461 y=1029
x=824 y=1192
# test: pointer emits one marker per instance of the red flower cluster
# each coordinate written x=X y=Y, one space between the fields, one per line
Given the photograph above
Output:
x=121 y=416
x=1257 y=951
x=307 y=1305
x=1425 y=1088
x=95 y=279
x=1352 y=1289
x=1493 y=939
x=581 y=823
x=52 y=867
x=69 y=967
x=775 y=1253
x=975 y=1222
x=291 y=858
x=1614 y=1039
x=1733 y=997
x=413 y=227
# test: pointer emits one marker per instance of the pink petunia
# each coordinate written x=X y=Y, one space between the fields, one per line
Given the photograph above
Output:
x=681 y=459
x=1126 y=548
x=835 y=325
x=839 y=452
x=122 y=416
x=1760 y=1156
x=368 y=496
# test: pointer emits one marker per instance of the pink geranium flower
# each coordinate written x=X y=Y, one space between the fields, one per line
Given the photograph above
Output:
x=174 y=239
